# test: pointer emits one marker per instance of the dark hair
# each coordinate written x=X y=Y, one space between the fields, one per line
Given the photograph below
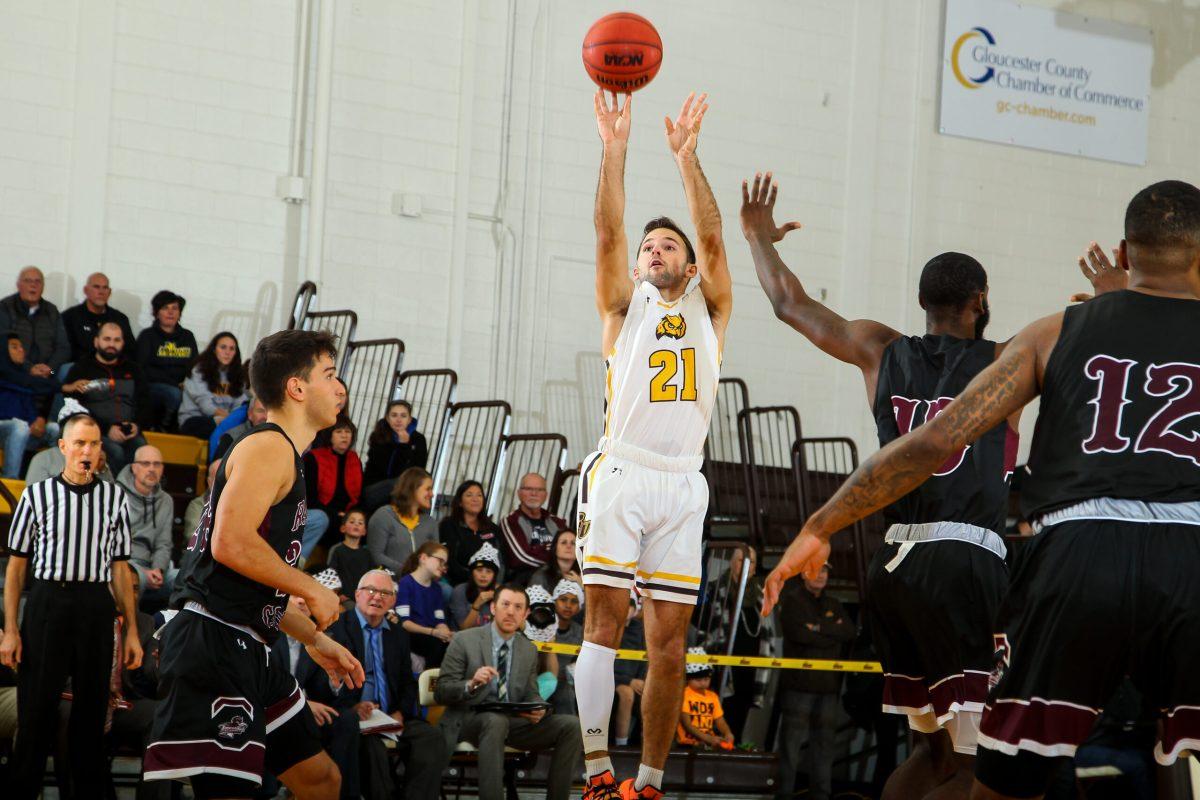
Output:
x=552 y=569
x=472 y=589
x=404 y=490
x=512 y=587
x=1164 y=214
x=164 y=298
x=324 y=437
x=13 y=335
x=949 y=281
x=285 y=355
x=669 y=224
x=210 y=368
x=456 y=508
x=382 y=433
x=353 y=510
x=414 y=558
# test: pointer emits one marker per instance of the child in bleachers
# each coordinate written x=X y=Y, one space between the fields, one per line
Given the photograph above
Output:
x=350 y=558
x=702 y=720
x=421 y=605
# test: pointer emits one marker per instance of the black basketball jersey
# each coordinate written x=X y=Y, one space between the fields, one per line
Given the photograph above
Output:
x=918 y=377
x=1120 y=411
x=230 y=595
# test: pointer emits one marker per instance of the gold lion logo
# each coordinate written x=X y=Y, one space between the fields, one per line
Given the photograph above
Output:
x=671 y=325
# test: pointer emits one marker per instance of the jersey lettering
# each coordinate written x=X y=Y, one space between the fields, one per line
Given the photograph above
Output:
x=662 y=390
x=906 y=410
x=1177 y=381
x=1112 y=374
x=199 y=538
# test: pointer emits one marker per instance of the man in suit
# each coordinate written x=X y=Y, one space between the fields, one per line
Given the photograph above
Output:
x=339 y=731
x=375 y=638
x=497 y=663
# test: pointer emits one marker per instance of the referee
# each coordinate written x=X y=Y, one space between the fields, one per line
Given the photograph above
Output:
x=75 y=529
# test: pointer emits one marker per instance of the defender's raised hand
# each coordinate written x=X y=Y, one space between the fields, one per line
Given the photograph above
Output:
x=1104 y=275
x=683 y=132
x=758 y=210
x=613 y=123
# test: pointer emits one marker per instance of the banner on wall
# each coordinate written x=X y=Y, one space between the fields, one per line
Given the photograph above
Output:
x=1040 y=78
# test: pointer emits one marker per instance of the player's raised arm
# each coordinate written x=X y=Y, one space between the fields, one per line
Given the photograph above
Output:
x=614 y=287
x=860 y=342
x=715 y=281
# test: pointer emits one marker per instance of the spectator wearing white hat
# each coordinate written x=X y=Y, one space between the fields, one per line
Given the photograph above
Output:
x=471 y=601
x=568 y=599
x=702 y=720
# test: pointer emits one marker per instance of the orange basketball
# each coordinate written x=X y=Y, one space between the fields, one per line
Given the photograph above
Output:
x=622 y=52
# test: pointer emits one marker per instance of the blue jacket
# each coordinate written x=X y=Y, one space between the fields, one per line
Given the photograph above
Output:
x=19 y=390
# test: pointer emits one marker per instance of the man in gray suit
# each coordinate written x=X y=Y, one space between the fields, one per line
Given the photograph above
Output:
x=497 y=663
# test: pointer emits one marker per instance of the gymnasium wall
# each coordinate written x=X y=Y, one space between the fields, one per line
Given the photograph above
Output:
x=145 y=138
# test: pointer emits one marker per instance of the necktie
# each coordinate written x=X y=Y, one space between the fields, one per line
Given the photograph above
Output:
x=502 y=673
x=376 y=645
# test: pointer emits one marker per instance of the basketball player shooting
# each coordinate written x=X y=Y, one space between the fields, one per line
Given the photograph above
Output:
x=642 y=498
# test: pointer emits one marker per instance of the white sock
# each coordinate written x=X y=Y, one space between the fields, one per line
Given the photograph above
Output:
x=622 y=742
x=595 y=688
x=597 y=766
x=648 y=777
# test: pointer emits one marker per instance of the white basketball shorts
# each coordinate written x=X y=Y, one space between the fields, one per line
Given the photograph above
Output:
x=642 y=525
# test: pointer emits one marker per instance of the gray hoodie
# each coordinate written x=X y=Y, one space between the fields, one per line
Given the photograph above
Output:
x=51 y=462
x=150 y=523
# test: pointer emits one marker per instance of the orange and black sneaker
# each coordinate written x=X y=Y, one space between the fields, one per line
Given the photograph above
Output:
x=648 y=793
x=602 y=787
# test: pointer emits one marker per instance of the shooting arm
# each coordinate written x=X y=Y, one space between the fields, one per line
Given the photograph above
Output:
x=715 y=280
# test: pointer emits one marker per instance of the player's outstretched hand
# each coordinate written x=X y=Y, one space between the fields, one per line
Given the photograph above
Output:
x=339 y=664
x=805 y=555
x=685 y=130
x=758 y=210
x=613 y=123
x=323 y=606
x=1104 y=275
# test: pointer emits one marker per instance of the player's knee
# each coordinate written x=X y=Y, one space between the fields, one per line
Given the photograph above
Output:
x=625 y=694
x=667 y=648
x=602 y=631
x=321 y=781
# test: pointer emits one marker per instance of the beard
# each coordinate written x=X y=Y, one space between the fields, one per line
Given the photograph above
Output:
x=109 y=353
x=665 y=278
x=981 y=322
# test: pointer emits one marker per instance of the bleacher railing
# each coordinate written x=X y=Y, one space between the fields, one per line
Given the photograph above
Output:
x=305 y=296
x=470 y=447
x=342 y=324
x=431 y=392
x=371 y=369
x=723 y=464
x=520 y=454
x=773 y=487
x=824 y=464
x=719 y=607
x=564 y=495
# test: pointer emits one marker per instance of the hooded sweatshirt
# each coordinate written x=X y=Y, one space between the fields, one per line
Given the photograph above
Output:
x=150 y=523
x=166 y=357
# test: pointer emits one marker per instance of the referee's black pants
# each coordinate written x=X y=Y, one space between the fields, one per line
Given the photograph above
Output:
x=67 y=631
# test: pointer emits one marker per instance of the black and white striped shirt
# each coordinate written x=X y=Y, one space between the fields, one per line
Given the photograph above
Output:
x=71 y=533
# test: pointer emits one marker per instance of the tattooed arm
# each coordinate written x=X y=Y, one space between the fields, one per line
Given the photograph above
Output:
x=1003 y=388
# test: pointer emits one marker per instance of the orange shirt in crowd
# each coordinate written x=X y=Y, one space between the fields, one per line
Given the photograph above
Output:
x=703 y=710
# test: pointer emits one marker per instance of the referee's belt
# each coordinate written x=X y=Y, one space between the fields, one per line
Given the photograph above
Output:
x=758 y=662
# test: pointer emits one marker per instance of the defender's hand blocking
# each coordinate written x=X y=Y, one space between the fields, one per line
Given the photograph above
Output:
x=682 y=134
x=1104 y=275
x=806 y=555
x=613 y=123
x=758 y=210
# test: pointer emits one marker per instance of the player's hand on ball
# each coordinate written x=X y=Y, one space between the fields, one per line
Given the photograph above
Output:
x=613 y=122
x=339 y=664
x=684 y=131
x=323 y=606
x=758 y=210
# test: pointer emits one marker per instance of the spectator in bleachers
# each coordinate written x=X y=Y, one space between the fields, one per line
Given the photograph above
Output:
x=529 y=530
x=754 y=638
x=216 y=386
x=466 y=529
x=50 y=462
x=561 y=565
x=701 y=720
x=396 y=530
x=339 y=729
x=493 y=663
x=350 y=558
x=191 y=514
x=254 y=413
x=83 y=321
x=113 y=389
x=421 y=604
x=374 y=635
x=166 y=351
x=567 y=597
x=630 y=676
x=151 y=512
x=23 y=398
x=814 y=625
x=395 y=445
x=37 y=322
x=471 y=600
x=333 y=474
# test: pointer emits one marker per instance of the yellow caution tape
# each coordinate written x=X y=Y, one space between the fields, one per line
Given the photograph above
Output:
x=818 y=664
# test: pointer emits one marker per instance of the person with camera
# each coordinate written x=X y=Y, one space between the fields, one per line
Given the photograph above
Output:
x=111 y=387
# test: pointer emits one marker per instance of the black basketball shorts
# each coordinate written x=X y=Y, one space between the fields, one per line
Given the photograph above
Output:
x=1093 y=600
x=224 y=709
x=931 y=608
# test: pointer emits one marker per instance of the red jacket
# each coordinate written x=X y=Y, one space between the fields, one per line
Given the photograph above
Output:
x=326 y=462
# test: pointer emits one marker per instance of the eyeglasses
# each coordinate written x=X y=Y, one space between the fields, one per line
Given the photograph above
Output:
x=149 y=463
x=538 y=489
x=438 y=559
x=373 y=592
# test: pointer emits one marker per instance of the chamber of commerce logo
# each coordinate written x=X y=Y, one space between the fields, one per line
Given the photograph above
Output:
x=966 y=80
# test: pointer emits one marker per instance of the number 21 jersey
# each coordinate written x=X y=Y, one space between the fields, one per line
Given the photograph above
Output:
x=662 y=374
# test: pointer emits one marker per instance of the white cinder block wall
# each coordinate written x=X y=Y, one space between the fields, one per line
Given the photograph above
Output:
x=145 y=138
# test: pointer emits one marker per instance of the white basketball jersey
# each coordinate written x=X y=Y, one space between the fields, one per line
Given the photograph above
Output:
x=662 y=374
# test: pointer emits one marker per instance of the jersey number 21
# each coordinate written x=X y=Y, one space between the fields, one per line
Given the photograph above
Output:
x=663 y=386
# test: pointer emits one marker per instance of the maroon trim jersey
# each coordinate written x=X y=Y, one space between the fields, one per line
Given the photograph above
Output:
x=1120 y=409
x=918 y=377
x=227 y=594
